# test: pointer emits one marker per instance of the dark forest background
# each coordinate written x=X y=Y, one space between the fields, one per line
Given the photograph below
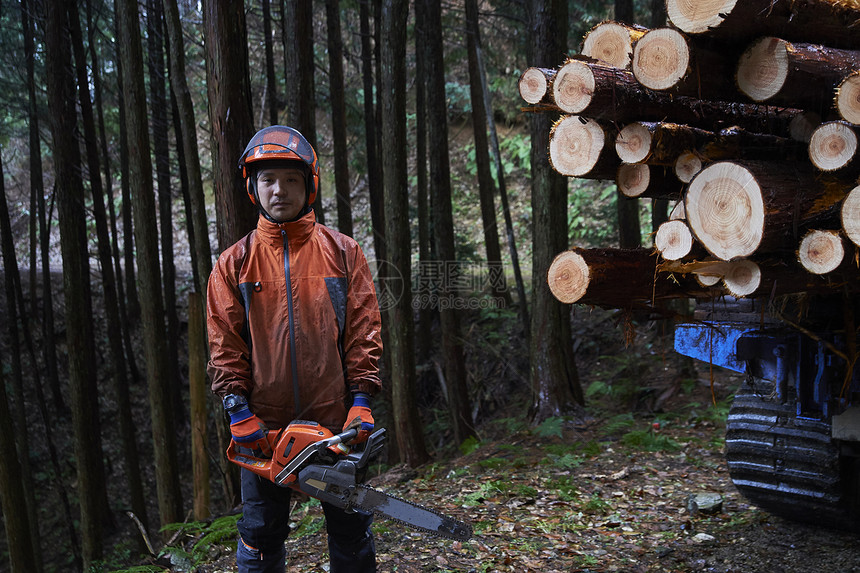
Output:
x=121 y=123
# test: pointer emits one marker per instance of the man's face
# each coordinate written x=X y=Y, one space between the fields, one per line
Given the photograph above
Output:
x=281 y=192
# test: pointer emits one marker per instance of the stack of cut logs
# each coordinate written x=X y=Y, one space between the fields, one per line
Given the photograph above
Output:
x=744 y=113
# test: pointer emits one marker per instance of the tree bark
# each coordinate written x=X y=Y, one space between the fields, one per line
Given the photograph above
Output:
x=806 y=75
x=553 y=375
x=197 y=393
x=343 y=192
x=443 y=224
x=619 y=98
x=15 y=320
x=736 y=209
x=831 y=22
x=616 y=278
x=201 y=249
x=146 y=237
x=76 y=281
x=22 y=546
x=486 y=187
x=426 y=313
x=401 y=337
x=664 y=59
x=49 y=347
x=374 y=167
x=111 y=299
x=230 y=116
x=271 y=81
x=612 y=43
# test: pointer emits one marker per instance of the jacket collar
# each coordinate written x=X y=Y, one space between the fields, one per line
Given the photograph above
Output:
x=297 y=231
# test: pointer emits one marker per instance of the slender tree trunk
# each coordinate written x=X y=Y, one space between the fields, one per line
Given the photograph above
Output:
x=291 y=60
x=114 y=323
x=161 y=152
x=230 y=115
x=146 y=237
x=554 y=378
x=201 y=252
x=425 y=311
x=487 y=188
x=15 y=317
x=374 y=171
x=304 y=36
x=271 y=80
x=19 y=539
x=130 y=358
x=401 y=340
x=76 y=280
x=338 y=122
x=49 y=347
x=443 y=225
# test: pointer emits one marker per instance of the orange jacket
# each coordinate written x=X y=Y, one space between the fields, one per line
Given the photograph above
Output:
x=297 y=355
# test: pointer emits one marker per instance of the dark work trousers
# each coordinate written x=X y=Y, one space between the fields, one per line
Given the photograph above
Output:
x=265 y=524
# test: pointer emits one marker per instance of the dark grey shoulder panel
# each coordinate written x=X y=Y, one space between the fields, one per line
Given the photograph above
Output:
x=247 y=291
x=337 y=293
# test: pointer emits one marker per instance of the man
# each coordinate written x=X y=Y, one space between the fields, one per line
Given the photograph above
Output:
x=294 y=334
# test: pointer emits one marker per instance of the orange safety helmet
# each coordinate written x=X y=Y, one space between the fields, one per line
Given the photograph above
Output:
x=280 y=143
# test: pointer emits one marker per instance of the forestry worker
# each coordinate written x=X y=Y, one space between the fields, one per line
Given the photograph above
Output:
x=294 y=334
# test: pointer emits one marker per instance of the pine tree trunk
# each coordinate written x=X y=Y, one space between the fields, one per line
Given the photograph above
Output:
x=343 y=192
x=111 y=301
x=49 y=346
x=554 y=377
x=230 y=116
x=198 y=222
x=486 y=187
x=76 y=281
x=22 y=546
x=271 y=106
x=443 y=224
x=146 y=237
x=401 y=351
x=197 y=393
x=304 y=34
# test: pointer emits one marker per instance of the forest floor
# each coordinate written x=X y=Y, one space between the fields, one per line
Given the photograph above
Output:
x=605 y=490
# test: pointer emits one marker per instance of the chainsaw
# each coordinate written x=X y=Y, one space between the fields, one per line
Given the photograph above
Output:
x=309 y=458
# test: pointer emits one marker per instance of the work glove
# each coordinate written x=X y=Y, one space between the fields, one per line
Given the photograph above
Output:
x=247 y=430
x=359 y=417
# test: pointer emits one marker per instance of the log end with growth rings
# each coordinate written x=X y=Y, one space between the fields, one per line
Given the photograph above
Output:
x=633 y=143
x=687 y=165
x=568 y=277
x=698 y=16
x=673 y=240
x=660 y=58
x=848 y=98
x=573 y=86
x=633 y=179
x=725 y=210
x=575 y=144
x=742 y=278
x=850 y=214
x=832 y=146
x=821 y=252
x=609 y=42
x=763 y=68
x=533 y=85
x=677 y=213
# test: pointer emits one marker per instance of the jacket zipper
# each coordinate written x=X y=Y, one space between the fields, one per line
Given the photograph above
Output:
x=293 y=360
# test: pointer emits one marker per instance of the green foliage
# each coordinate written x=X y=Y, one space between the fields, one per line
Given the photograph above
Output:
x=596 y=504
x=221 y=531
x=493 y=463
x=591 y=215
x=650 y=441
x=458 y=98
x=618 y=423
x=469 y=445
x=550 y=427
x=565 y=488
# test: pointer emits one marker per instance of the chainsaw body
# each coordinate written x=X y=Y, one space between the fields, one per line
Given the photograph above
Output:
x=311 y=459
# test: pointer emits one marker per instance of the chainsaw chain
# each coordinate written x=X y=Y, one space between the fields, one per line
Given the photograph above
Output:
x=433 y=532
